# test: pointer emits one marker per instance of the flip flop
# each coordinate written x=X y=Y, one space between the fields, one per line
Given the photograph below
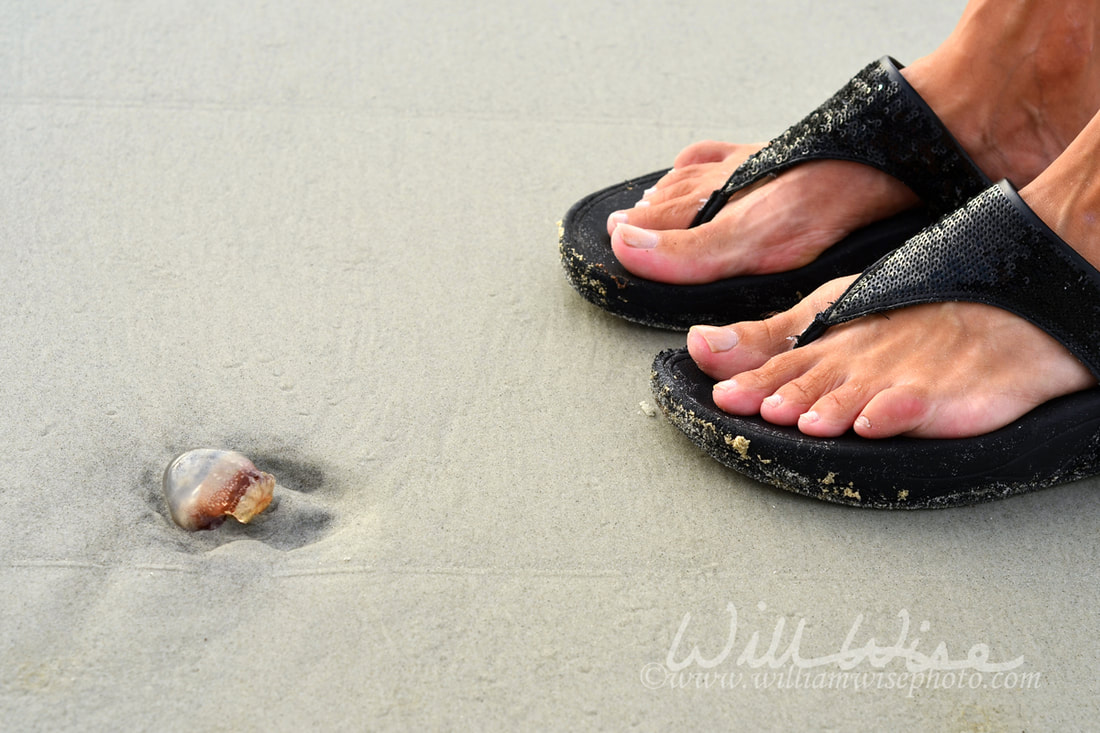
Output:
x=877 y=119
x=995 y=250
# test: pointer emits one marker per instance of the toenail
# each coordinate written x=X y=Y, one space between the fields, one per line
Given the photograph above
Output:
x=727 y=386
x=774 y=401
x=718 y=340
x=617 y=218
x=863 y=422
x=809 y=417
x=641 y=204
x=649 y=192
x=637 y=237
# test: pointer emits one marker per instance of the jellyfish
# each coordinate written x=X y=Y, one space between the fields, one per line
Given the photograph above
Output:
x=206 y=485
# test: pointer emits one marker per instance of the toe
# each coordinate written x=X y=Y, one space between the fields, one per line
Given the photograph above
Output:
x=722 y=352
x=717 y=351
x=806 y=385
x=713 y=151
x=704 y=151
x=835 y=412
x=671 y=204
x=658 y=212
x=759 y=390
x=707 y=344
x=895 y=411
x=737 y=399
x=675 y=256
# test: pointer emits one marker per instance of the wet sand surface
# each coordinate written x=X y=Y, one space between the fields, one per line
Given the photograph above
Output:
x=325 y=235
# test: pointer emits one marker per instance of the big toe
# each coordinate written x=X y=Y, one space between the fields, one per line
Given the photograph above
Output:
x=723 y=351
x=713 y=151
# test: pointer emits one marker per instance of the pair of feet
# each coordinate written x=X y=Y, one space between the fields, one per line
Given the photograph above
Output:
x=943 y=370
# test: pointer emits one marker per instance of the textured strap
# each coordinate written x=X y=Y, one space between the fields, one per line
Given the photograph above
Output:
x=994 y=250
x=879 y=120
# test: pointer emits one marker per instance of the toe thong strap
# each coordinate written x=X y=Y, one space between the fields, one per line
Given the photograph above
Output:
x=877 y=119
x=994 y=250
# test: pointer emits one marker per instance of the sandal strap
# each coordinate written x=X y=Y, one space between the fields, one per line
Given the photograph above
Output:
x=997 y=251
x=879 y=120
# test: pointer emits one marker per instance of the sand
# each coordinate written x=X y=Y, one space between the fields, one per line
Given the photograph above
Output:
x=325 y=235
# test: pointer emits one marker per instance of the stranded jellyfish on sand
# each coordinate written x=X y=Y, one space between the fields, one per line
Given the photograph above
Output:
x=206 y=485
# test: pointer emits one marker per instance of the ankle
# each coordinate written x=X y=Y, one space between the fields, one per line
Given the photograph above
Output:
x=1067 y=197
x=1015 y=87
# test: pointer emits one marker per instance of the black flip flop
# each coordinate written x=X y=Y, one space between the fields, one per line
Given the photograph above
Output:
x=995 y=250
x=877 y=119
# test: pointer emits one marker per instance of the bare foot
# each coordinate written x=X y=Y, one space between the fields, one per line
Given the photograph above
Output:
x=935 y=371
x=780 y=225
x=1013 y=87
x=942 y=370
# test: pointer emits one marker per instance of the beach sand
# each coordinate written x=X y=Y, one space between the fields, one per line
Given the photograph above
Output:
x=325 y=235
